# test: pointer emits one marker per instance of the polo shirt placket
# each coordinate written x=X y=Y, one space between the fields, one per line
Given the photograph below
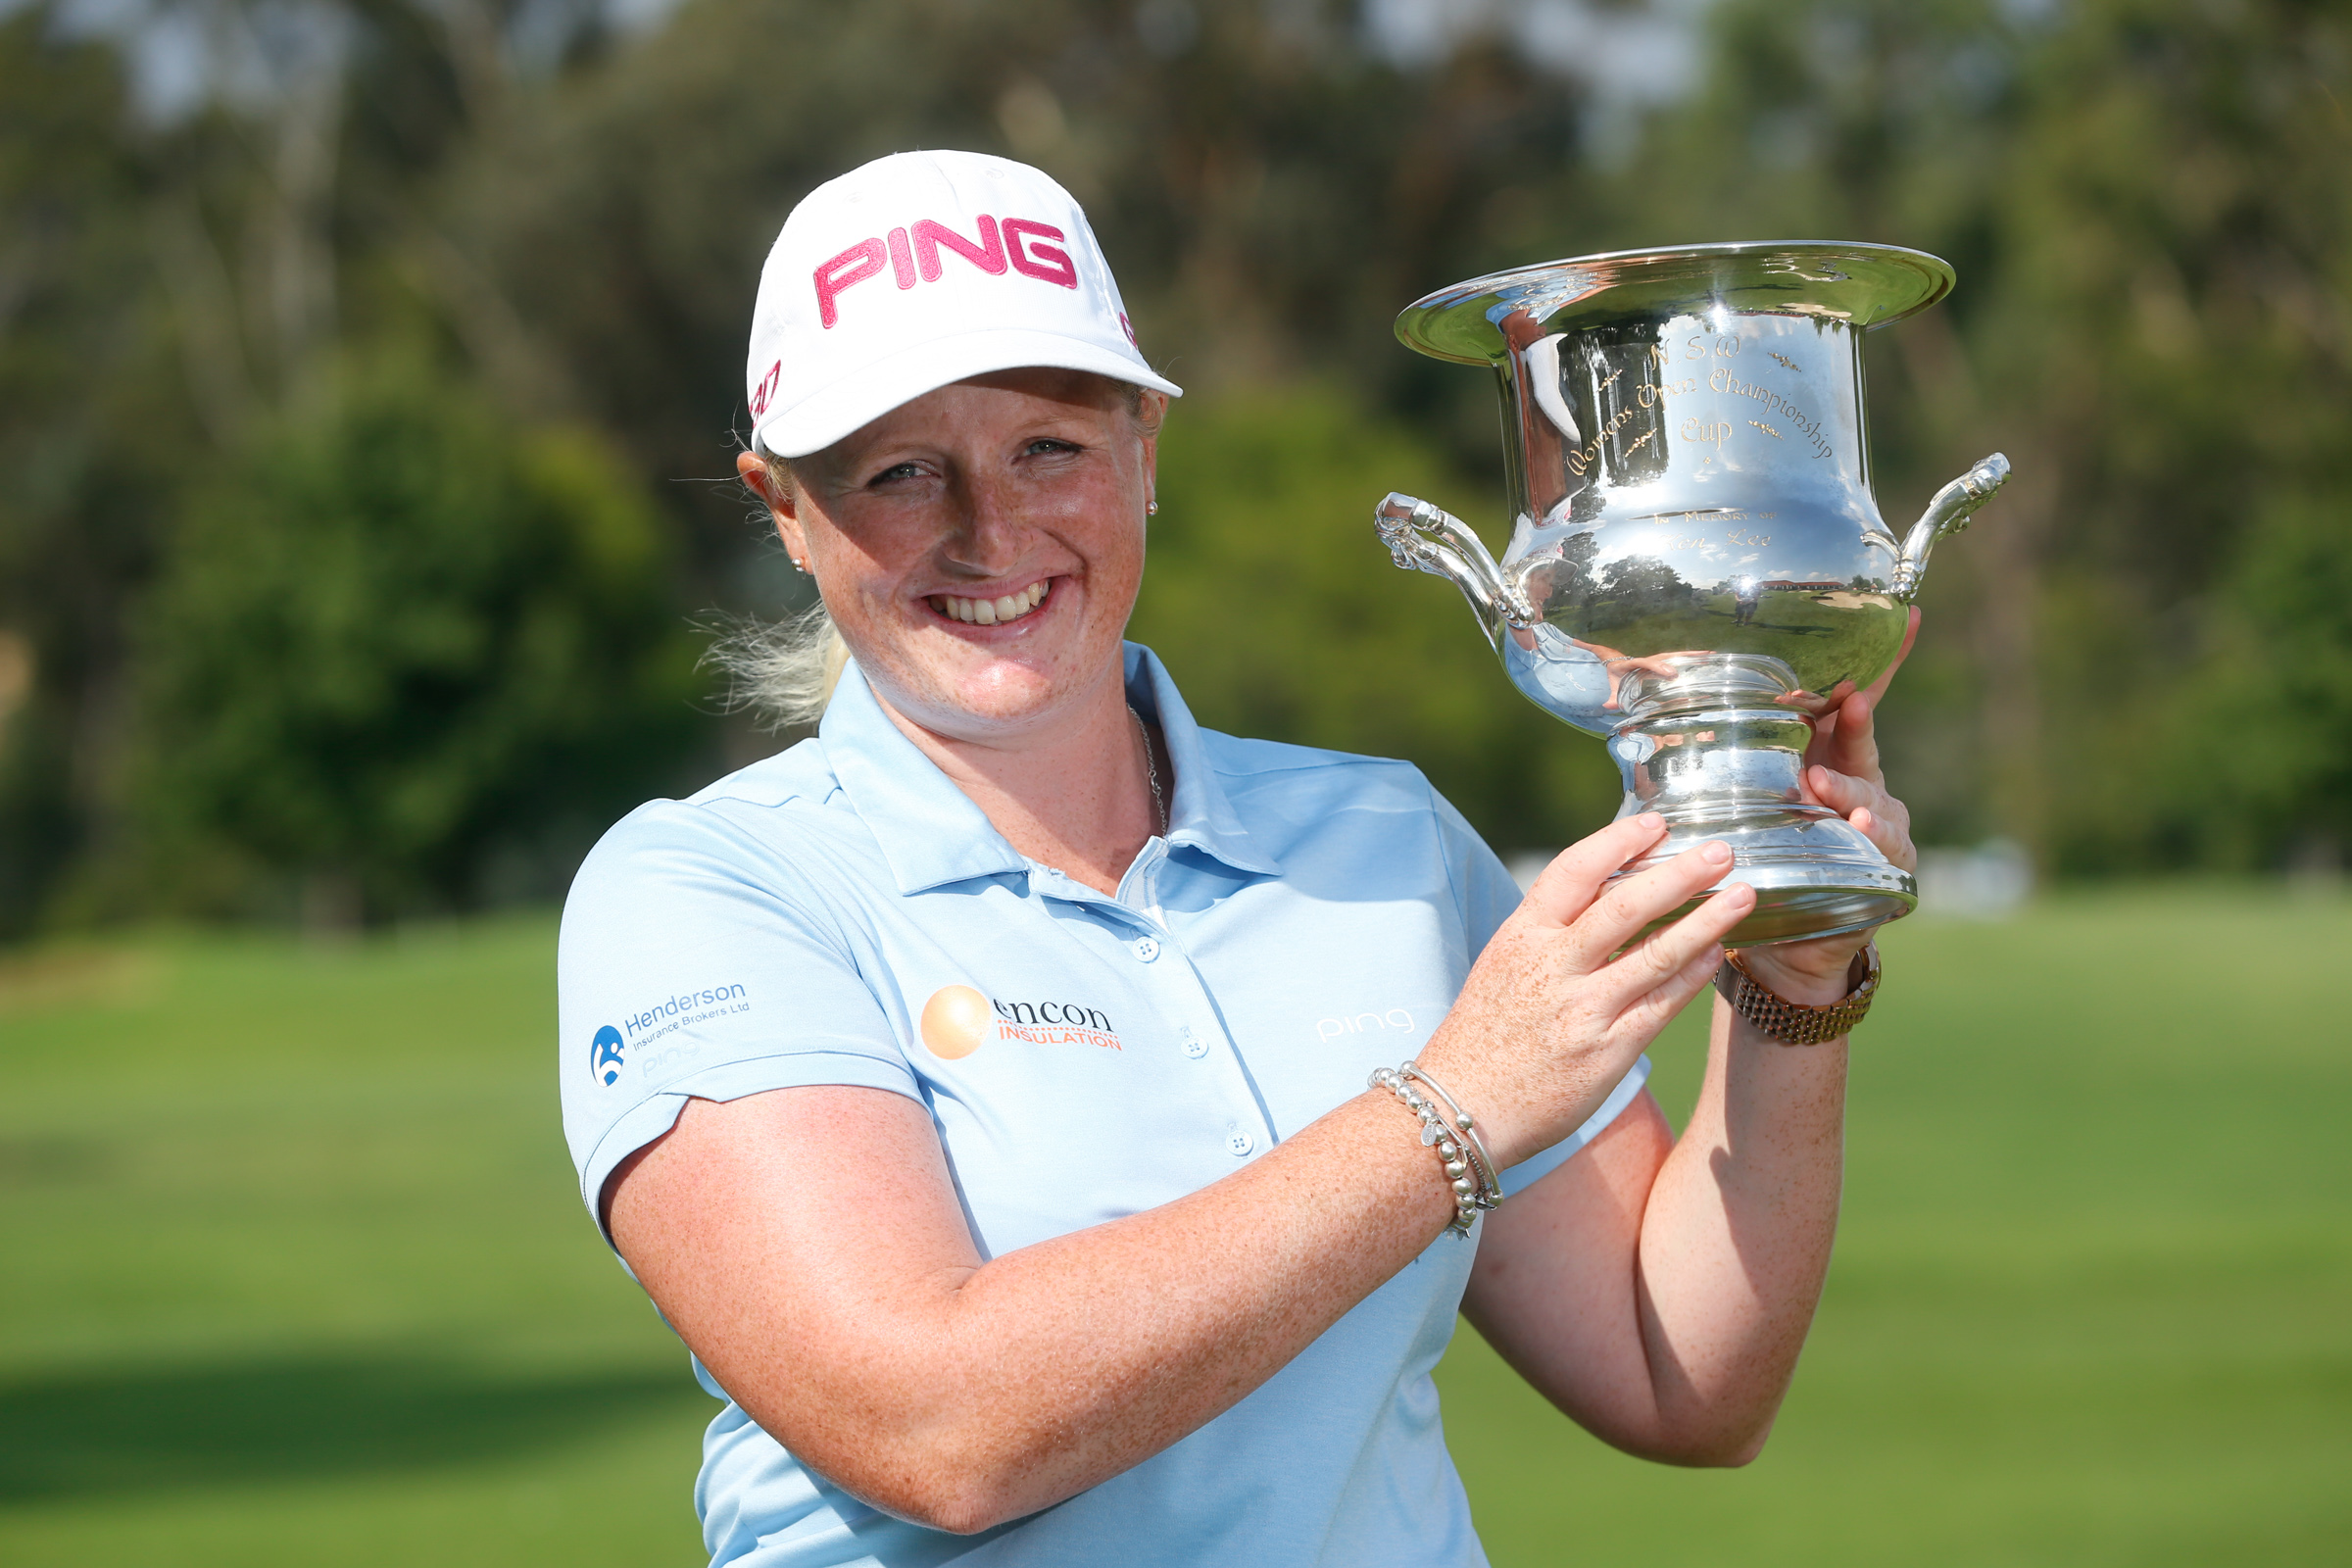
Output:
x=1180 y=995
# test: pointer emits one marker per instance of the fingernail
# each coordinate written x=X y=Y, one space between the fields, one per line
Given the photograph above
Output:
x=1717 y=853
x=1652 y=820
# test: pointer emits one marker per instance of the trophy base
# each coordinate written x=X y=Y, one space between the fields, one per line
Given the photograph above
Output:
x=1815 y=874
x=1715 y=744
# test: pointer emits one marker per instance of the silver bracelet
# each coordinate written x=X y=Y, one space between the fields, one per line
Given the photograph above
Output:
x=1451 y=1130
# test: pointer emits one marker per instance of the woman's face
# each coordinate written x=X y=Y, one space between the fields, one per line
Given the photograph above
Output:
x=980 y=547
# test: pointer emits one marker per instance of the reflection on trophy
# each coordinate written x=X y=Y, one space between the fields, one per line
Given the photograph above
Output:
x=1698 y=567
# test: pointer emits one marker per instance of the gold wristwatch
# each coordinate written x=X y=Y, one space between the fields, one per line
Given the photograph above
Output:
x=1793 y=1024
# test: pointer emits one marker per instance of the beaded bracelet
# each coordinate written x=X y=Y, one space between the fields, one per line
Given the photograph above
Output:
x=1449 y=1128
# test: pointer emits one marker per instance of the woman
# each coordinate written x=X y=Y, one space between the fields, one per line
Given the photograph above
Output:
x=979 y=1088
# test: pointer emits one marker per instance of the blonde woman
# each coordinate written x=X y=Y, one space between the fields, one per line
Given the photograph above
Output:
x=983 y=1089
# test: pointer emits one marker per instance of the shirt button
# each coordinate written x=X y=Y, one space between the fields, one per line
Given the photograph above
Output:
x=1239 y=1142
x=1145 y=949
x=1194 y=1046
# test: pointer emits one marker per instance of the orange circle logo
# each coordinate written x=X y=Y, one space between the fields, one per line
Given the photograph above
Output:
x=956 y=1020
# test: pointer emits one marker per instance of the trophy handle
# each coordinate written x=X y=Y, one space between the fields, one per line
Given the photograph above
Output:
x=1947 y=515
x=1422 y=537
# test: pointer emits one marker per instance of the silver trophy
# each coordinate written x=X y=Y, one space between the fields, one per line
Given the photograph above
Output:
x=1698 y=567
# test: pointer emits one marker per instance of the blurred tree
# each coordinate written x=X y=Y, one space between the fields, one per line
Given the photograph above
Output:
x=79 y=364
x=2265 y=734
x=2144 y=200
x=2176 y=294
x=400 y=649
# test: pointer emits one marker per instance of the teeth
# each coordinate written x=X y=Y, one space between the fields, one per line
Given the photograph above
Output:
x=991 y=612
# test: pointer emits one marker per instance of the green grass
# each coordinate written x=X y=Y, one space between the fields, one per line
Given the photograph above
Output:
x=293 y=1270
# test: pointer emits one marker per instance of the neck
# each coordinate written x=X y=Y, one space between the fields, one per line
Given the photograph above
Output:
x=1074 y=795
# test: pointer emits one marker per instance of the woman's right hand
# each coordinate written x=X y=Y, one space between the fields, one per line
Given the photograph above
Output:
x=1549 y=1021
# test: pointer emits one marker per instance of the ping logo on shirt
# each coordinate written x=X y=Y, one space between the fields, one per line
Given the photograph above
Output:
x=959 y=1020
x=604 y=1056
x=1329 y=1029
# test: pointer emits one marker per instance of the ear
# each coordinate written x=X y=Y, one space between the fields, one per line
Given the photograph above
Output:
x=1155 y=409
x=783 y=506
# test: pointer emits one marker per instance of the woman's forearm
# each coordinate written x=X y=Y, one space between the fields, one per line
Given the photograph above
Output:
x=1735 y=1241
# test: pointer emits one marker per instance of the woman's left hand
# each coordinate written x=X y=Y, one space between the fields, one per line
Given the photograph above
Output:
x=1842 y=774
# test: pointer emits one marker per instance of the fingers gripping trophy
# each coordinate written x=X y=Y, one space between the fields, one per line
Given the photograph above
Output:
x=1697 y=568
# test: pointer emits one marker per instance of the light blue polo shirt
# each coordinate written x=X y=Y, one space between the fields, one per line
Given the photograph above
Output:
x=841 y=914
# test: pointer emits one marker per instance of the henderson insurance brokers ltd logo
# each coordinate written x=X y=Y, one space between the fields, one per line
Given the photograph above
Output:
x=959 y=1020
x=609 y=1052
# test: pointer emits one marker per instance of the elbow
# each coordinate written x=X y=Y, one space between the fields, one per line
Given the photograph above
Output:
x=1716 y=1447
x=1731 y=1457
x=931 y=1467
x=955 y=1510
x=955 y=1494
x=1715 y=1450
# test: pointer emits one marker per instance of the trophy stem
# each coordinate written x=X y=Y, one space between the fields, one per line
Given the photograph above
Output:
x=1716 y=763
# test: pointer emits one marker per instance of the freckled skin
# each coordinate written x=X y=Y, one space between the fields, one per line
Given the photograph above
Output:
x=980 y=489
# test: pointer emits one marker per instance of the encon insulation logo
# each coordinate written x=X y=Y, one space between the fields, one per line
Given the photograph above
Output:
x=959 y=1020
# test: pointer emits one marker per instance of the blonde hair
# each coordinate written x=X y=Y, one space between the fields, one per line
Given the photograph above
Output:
x=783 y=673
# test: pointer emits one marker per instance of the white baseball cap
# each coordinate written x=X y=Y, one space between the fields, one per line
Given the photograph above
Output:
x=920 y=270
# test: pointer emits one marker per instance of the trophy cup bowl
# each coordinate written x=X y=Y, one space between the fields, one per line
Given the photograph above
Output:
x=1698 y=567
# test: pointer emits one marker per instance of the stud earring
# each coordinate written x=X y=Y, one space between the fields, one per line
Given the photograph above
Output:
x=1150 y=509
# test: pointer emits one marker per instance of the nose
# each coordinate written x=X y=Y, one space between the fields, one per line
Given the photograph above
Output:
x=988 y=533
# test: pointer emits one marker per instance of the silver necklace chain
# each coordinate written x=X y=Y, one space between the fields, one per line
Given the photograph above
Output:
x=1159 y=803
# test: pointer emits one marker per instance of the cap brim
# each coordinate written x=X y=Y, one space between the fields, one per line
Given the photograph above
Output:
x=859 y=398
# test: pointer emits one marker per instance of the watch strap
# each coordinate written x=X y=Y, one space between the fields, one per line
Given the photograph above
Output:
x=1793 y=1024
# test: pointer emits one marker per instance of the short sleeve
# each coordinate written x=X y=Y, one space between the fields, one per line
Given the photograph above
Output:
x=1486 y=895
x=695 y=962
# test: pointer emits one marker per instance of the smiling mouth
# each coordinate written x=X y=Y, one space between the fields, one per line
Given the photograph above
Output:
x=991 y=611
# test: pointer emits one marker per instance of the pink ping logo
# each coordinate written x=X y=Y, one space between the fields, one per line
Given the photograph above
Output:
x=913 y=254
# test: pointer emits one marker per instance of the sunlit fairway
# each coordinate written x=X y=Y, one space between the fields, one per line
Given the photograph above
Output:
x=293 y=1271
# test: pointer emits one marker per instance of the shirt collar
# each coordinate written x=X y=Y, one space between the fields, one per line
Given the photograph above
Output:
x=931 y=833
x=1202 y=814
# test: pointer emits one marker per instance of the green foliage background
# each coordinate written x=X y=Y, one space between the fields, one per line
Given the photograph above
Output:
x=366 y=410
x=400 y=639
